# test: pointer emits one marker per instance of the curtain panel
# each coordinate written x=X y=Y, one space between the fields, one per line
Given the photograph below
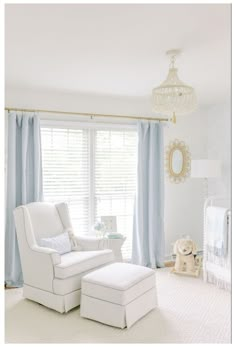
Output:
x=24 y=182
x=148 y=227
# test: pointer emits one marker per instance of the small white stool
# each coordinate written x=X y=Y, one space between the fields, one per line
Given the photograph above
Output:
x=118 y=294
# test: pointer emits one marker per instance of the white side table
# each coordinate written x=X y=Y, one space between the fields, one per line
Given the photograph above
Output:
x=115 y=245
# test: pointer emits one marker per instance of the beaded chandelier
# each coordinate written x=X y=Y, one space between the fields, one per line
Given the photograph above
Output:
x=173 y=97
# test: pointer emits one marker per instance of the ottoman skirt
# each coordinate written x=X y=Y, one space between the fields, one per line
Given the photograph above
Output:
x=118 y=294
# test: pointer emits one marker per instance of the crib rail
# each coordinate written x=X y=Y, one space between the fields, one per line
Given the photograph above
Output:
x=212 y=276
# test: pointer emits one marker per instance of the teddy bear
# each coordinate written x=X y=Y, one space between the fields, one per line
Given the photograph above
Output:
x=185 y=250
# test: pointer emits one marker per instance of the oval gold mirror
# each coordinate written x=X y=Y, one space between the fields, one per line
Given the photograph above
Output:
x=177 y=161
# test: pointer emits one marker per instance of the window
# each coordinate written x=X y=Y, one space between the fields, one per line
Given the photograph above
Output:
x=65 y=158
x=115 y=179
x=94 y=171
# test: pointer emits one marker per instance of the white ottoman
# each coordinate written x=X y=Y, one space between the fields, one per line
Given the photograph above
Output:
x=118 y=294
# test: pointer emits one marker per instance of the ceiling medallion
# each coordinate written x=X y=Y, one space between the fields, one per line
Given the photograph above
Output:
x=173 y=97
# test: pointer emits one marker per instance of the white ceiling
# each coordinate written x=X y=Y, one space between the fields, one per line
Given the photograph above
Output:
x=118 y=49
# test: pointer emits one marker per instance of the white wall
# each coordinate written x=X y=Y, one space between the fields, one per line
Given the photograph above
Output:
x=81 y=102
x=183 y=202
x=219 y=147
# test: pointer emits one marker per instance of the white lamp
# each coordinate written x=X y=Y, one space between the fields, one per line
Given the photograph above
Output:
x=205 y=168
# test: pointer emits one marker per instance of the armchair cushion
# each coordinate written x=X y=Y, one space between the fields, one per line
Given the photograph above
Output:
x=74 y=263
x=44 y=220
x=61 y=243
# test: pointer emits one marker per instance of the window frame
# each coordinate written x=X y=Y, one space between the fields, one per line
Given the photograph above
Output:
x=92 y=127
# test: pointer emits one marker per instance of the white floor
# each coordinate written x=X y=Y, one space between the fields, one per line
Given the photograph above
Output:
x=189 y=311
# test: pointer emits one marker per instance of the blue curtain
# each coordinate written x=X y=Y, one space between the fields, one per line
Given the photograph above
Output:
x=24 y=182
x=148 y=227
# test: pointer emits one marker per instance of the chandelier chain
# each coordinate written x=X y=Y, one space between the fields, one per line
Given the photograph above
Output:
x=172 y=62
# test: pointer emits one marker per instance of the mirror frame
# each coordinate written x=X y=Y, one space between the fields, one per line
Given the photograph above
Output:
x=184 y=173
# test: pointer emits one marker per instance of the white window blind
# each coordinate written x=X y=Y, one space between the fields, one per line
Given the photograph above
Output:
x=94 y=171
x=65 y=158
x=115 y=179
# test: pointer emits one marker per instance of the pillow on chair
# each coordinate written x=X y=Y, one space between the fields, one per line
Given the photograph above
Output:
x=61 y=243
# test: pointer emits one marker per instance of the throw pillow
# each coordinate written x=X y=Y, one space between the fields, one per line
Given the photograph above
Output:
x=61 y=243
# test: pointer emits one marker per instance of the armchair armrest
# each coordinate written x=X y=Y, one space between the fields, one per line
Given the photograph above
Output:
x=54 y=255
x=37 y=262
x=89 y=243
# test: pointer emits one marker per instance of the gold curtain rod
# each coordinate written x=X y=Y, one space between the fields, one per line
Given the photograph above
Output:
x=91 y=114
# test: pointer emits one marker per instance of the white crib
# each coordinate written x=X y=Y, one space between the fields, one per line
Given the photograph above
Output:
x=218 y=271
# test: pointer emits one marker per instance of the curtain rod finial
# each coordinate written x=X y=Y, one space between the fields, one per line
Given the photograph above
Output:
x=173 y=119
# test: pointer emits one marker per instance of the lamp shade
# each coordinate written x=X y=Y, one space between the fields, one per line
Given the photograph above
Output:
x=205 y=168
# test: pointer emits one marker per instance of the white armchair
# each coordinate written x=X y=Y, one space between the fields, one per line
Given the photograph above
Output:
x=52 y=279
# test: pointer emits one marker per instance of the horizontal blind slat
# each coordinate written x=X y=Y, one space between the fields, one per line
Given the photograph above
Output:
x=115 y=179
x=65 y=171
